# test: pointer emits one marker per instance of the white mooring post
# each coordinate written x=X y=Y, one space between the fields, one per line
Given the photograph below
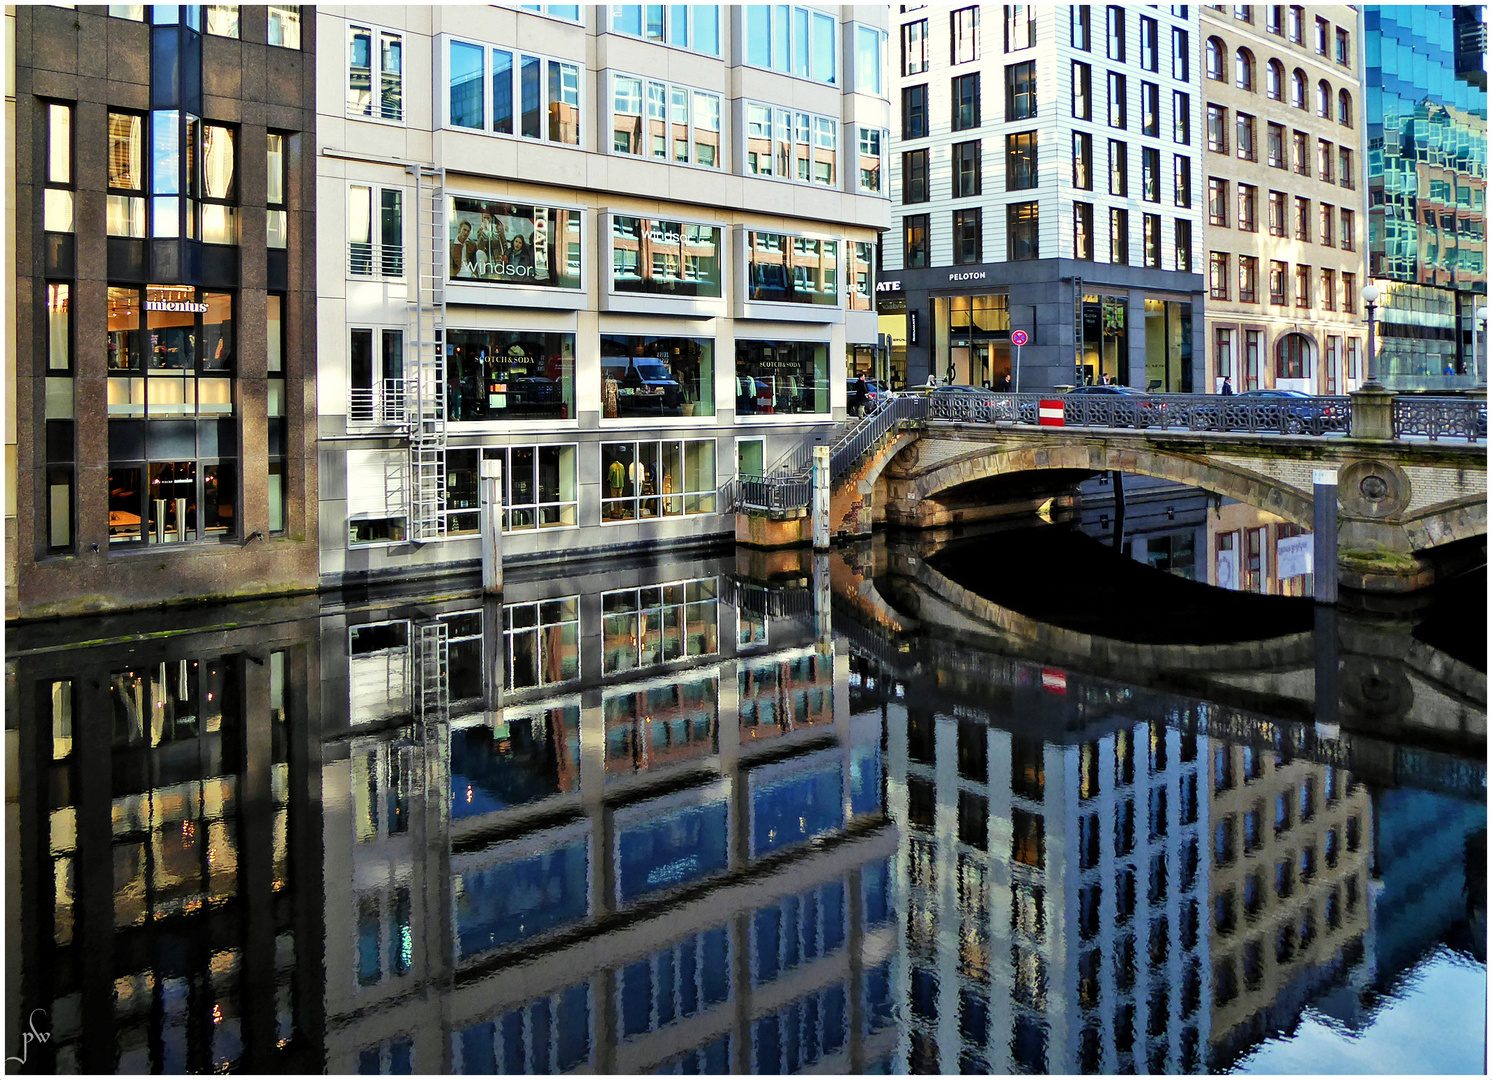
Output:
x=820 y=497
x=490 y=477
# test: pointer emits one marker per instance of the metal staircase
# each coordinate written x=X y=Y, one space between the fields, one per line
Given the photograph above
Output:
x=425 y=383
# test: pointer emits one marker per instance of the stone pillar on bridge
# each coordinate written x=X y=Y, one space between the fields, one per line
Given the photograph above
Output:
x=1373 y=550
x=1372 y=413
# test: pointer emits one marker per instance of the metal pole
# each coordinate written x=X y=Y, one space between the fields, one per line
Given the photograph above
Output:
x=490 y=478
x=1324 y=543
x=1118 y=509
x=1372 y=380
x=1017 y=386
x=821 y=497
x=823 y=597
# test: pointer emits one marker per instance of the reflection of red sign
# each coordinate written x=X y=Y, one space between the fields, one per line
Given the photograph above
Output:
x=1049 y=413
x=1054 y=680
x=1018 y=337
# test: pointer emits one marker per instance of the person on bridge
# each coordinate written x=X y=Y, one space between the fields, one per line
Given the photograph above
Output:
x=1005 y=384
x=861 y=389
x=1227 y=390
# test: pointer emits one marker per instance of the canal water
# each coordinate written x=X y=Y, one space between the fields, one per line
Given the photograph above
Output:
x=1017 y=801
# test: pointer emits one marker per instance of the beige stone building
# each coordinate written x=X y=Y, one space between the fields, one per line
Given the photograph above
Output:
x=1285 y=230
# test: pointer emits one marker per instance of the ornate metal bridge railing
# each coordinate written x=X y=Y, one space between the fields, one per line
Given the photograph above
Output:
x=1455 y=418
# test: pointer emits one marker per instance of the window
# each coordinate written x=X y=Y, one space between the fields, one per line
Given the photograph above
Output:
x=1217 y=201
x=1217 y=63
x=665 y=258
x=792 y=269
x=1150 y=109
x=1217 y=276
x=1020 y=161
x=1302 y=287
x=1275 y=146
x=1349 y=231
x=657 y=479
x=963 y=28
x=1082 y=231
x=1116 y=33
x=913 y=47
x=57 y=199
x=676 y=123
x=1181 y=53
x=1082 y=90
x=1183 y=245
x=914 y=240
x=1021 y=228
x=277 y=227
x=1020 y=91
x=1274 y=81
x=1119 y=237
x=1181 y=107
x=914 y=176
x=1323 y=37
x=1349 y=302
x=914 y=112
x=1296 y=25
x=870 y=43
x=1028 y=838
x=800 y=42
x=968 y=242
x=686 y=27
x=1082 y=160
x=1344 y=47
x=485 y=85
x=1150 y=239
x=966 y=101
x=222 y=20
x=1325 y=160
x=1298 y=88
x=1274 y=18
x=1329 y=290
x=1323 y=99
x=1278 y=284
x=1345 y=168
x=1183 y=180
x=1248 y=149
x=793 y=146
x=1248 y=279
x=1149 y=44
x=872 y=158
x=1020 y=26
x=1253 y=348
x=1082 y=27
x=1292 y=357
x=782 y=377
x=1118 y=168
x=375 y=392
x=509 y=375
x=1118 y=100
x=1277 y=214
x=510 y=244
x=1217 y=129
x=967 y=169
x=284 y=25
x=1150 y=174
x=1328 y=220
x=1302 y=219
x=375 y=66
x=1248 y=208
x=1344 y=108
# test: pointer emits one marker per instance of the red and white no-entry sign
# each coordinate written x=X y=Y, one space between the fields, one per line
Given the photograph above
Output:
x=1049 y=412
x=1019 y=337
x=1054 y=680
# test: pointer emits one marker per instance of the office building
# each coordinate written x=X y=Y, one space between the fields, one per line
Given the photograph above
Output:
x=1425 y=77
x=623 y=250
x=158 y=438
x=1047 y=172
x=1281 y=89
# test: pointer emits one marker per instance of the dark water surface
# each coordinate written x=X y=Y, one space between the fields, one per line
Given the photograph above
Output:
x=886 y=811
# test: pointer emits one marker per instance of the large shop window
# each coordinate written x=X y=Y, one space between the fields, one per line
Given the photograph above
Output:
x=539 y=488
x=511 y=244
x=779 y=377
x=657 y=479
x=665 y=122
x=173 y=354
x=166 y=502
x=668 y=258
x=792 y=269
x=795 y=146
x=657 y=376
x=506 y=93
x=510 y=375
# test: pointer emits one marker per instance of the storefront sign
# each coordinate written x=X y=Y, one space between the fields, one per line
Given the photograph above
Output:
x=912 y=327
x=175 y=305
x=967 y=275
x=888 y=286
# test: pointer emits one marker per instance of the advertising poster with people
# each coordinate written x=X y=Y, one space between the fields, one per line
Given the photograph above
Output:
x=512 y=244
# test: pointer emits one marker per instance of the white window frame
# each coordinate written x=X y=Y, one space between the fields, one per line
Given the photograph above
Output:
x=445 y=41
x=884 y=137
x=693 y=94
x=508 y=507
x=637 y=497
x=385 y=400
x=377 y=255
x=376 y=73
x=795 y=121
x=810 y=17
x=862 y=84
x=549 y=12
x=691 y=11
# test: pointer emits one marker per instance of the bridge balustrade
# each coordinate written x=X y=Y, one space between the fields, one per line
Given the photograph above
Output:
x=1455 y=418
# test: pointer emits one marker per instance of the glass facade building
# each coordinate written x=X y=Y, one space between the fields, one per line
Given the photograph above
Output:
x=1427 y=184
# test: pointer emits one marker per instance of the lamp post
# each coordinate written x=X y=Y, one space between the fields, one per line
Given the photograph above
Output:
x=1370 y=299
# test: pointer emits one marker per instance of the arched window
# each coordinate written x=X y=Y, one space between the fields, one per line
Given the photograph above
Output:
x=1323 y=99
x=1293 y=357
x=1344 y=108
x=1216 y=51
x=1243 y=69
x=1298 y=88
x=1274 y=81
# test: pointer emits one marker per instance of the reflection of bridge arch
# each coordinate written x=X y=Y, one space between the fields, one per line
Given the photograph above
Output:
x=1100 y=455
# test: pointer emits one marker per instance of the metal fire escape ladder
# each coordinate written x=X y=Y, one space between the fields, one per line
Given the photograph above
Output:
x=432 y=699
x=425 y=388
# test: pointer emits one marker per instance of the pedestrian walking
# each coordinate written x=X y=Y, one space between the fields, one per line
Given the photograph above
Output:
x=1227 y=390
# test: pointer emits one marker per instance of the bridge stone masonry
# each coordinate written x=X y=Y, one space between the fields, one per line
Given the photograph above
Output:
x=1402 y=502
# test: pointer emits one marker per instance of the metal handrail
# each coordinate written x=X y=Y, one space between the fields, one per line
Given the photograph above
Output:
x=1440 y=417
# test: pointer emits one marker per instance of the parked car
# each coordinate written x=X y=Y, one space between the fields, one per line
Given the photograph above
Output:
x=1099 y=388
x=1294 y=412
x=1087 y=405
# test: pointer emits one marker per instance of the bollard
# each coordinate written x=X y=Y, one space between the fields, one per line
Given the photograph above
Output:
x=490 y=477
x=493 y=656
x=1327 y=653
x=823 y=598
x=820 y=497
x=1324 y=544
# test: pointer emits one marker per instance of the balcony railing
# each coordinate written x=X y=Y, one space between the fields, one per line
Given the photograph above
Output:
x=382 y=403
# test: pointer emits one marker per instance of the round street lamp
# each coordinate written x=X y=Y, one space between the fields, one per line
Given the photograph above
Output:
x=1370 y=299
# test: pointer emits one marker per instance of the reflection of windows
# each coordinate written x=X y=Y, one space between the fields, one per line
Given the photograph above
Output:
x=385 y=935
x=795 y=41
x=797 y=930
x=284 y=25
x=658 y=624
x=661 y=725
x=872 y=159
x=802 y=1033
x=780 y=696
x=963 y=28
x=541 y=642
x=509 y=375
x=548 y=1035
x=665 y=122
x=673 y=984
x=914 y=47
x=792 y=269
x=666 y=257
x=375 y=66
x=781 y=377
x=1028 y=841
x=686 y=27
x=507 y=93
